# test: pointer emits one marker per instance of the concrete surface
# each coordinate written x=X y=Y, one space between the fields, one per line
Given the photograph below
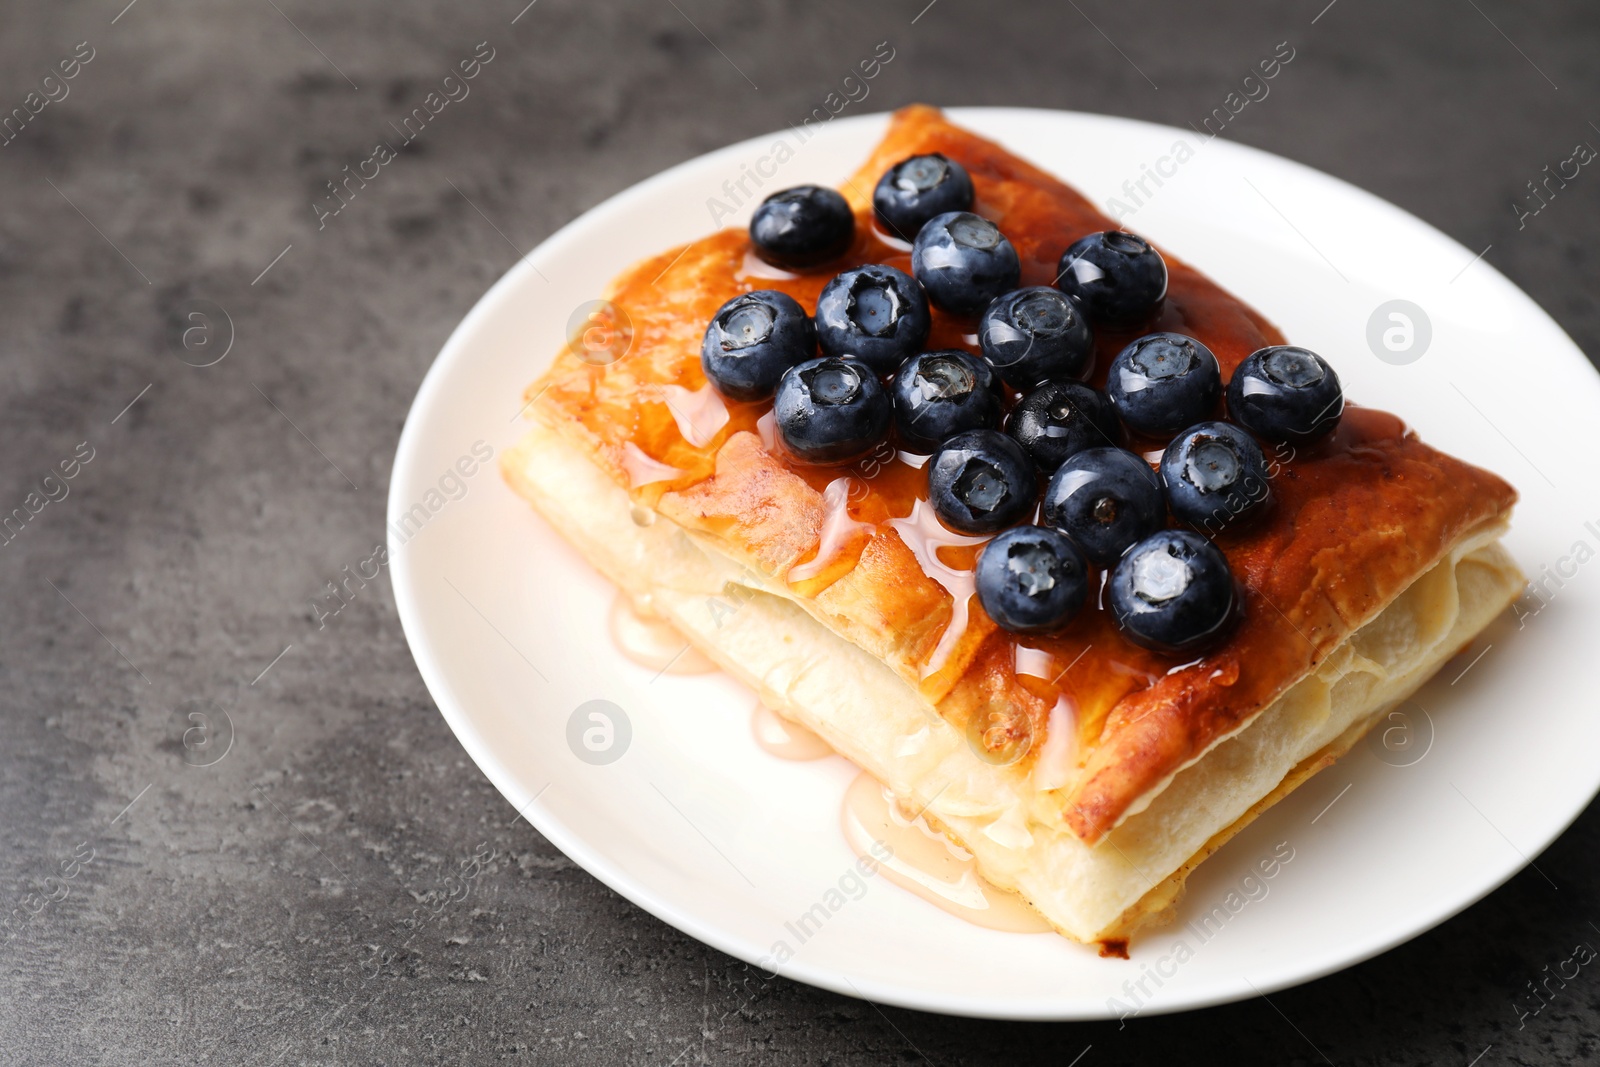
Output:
x=311 y=896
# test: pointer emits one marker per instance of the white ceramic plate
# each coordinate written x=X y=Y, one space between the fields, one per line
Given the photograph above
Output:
x=699 y=826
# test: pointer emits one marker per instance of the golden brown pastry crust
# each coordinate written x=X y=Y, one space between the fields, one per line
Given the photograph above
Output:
x=1357 y=518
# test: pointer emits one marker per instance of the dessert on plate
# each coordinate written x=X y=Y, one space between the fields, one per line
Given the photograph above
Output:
x=1058 y=540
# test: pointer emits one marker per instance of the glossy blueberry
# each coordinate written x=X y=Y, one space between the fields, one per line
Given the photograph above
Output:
x=1061 y=419
x=831 y=410
x=803 y=226
x=1104 y=499
x=981 y=481
x=752 y=340
x=1114 y=276
x=1036 y=334
x=1163 y=382
x=1215 y=477
x=964 y=261
x=1285 y=393
x=915 y=190
x=1031 y=579
x=1173 y=592
x=874 y=313
x=940 y=394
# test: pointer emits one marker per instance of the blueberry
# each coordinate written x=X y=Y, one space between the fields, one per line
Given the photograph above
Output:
x=1031 y=579
x=940 y=394
x=874 y=313
x=1034 y=335
x=981 y=481
x=1061 y=419
x=1215 y=477
x=1284 y=393
x=915 y=190
x=1163 y=382
x=831 y=410
x=963 y=261
x=803 y=226
x=752 y=340
x=1173 y=592
x=1104 y=499
x=1114 y=276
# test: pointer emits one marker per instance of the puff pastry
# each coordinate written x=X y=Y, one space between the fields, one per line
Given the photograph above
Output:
x=1084 y=773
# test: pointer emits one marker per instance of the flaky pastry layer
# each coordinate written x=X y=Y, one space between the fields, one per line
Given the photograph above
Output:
x=1134 y=874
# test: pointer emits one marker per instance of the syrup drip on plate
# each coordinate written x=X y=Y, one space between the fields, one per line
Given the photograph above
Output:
x=924 y=535
x=651 y=641
x=839 y=531
x=926 y=863
x=785 y=739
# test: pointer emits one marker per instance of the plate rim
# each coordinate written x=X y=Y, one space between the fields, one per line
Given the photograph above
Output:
x=593 y=860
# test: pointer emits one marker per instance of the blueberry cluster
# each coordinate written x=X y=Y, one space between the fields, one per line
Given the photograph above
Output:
x=845 y=378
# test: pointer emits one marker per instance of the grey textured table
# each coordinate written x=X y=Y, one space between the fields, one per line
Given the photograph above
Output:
x=298 y=899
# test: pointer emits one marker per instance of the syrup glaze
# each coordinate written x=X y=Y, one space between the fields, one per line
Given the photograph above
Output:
x=840 y=543
x=926 y=863
x=785 y=739
x=651 y=641
x=1357 y=514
